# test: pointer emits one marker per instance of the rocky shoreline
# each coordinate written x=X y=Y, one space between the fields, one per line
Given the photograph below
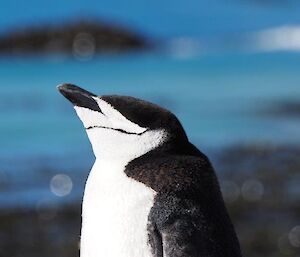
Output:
x=81 y=39
x=260 y=184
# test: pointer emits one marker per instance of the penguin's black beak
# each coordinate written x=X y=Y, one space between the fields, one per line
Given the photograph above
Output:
x=79 y=97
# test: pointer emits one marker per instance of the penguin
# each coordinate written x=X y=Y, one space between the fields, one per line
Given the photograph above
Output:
x=150 y=192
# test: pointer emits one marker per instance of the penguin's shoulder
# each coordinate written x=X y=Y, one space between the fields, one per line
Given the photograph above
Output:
x=190 y=174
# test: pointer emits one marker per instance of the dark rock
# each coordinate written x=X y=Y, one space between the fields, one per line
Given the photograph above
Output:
x=289 y=108
x=83 y=39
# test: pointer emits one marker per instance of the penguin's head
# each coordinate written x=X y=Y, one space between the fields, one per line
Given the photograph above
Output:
x=123 y=126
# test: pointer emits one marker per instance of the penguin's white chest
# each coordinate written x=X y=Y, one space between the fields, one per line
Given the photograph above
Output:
x=115 y=213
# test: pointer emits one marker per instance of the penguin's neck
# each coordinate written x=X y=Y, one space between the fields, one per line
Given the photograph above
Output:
x=115 y=212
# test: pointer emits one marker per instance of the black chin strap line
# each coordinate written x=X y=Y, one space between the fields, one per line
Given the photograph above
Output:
x=120 y=130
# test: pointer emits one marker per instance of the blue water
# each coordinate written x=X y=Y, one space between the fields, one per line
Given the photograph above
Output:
x=217 y=98
x=220 y=99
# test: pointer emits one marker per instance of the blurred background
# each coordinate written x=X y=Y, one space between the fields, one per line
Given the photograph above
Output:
x=230 y=70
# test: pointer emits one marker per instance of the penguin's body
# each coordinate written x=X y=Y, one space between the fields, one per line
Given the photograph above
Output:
x=150 y=193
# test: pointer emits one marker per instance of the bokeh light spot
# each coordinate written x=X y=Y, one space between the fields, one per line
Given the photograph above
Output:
x=252 y=190
x=61 y=185
x=84 y=46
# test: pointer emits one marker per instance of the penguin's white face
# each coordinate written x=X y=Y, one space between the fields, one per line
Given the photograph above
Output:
x=113 y=136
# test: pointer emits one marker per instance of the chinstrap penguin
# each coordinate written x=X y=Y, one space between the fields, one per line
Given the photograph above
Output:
x=150 y=193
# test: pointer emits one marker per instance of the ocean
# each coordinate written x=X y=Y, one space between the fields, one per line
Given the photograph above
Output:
x=221 y=100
